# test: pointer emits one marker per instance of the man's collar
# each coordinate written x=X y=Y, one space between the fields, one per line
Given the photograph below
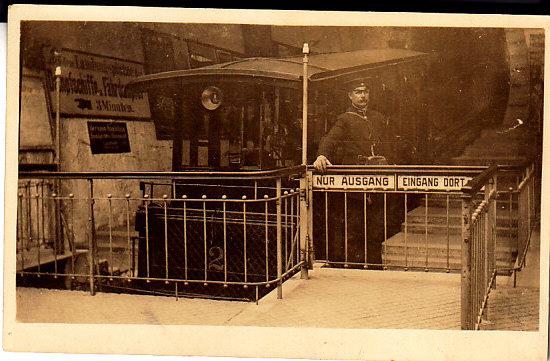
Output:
x=360 y=111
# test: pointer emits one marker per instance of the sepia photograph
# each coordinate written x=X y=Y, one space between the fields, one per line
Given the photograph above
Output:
x=276 y=175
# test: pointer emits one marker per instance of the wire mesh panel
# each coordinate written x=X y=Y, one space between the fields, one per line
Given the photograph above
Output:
x=221 y=241
x=215 y=239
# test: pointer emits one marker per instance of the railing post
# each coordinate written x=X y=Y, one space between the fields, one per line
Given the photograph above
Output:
x=279 y=241
x=494 y=235
x=487 y=245
x=466 y=307
x=91 y=235
x=310 y=252
x=305 y=215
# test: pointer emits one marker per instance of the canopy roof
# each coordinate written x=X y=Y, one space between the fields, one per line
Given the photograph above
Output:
x=288 y=71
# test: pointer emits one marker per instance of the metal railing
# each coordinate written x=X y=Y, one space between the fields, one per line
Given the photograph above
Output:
x=39 y=218
x=478 y=247
x=528 y=206
x=389 y=217
x=187 y=232
x=235 y=242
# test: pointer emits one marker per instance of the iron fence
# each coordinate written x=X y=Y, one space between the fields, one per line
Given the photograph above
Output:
x=240 y=234
x=528 y=205
x=478 y=247
x=208 y=236
x=382 y=217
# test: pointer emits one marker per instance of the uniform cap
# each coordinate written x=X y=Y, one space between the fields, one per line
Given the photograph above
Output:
x=366 y=82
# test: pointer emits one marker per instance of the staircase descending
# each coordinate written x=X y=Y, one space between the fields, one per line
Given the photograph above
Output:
x=436 y=233
x=437 y=230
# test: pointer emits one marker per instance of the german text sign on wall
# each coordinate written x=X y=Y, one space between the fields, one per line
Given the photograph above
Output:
x=108 y=137
x=338 y=181
x=95 y=85
x=431 y=182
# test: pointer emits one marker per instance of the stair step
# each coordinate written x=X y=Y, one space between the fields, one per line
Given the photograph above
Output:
x=435 y=262
x=502 y=203
x=454 y=253
x=418 y=228
x=436 y=214
x=418 y=240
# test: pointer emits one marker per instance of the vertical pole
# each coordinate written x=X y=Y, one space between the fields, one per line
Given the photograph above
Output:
x=38 y=239
x=345 y=229
x=129 y=238
x=511 y=192
x=487 y=242
x=20 y=246
x=146 y=201
x=465 y=282
x=326 y=227
x=406 y=234
x=292 y=195
x=91 y=234
x=59 y=235
x=366 y=266
x=245 y=260
x=204 y=239
x=304 y=214
x=494 y=232
x=165 y=206
x=224 y=197
x=266 y=230
x=426 y=230
x=110 y=235
x=43 y=216
x=57 y=113
x=309 y=217
x=279 y=239
x=184 y=197
x=448 y=236
x=385 y=244
x=305 y=51
x=286 y=231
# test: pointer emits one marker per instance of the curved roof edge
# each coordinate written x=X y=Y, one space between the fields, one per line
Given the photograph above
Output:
x=286 y=71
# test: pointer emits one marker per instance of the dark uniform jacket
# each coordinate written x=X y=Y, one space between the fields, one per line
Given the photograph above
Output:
x=356 y=136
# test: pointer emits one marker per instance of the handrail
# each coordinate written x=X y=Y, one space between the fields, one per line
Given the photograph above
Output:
x=475 y=185
x=249 y=175
x=399 y=169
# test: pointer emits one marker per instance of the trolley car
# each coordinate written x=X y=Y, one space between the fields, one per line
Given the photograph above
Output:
x=246 y=116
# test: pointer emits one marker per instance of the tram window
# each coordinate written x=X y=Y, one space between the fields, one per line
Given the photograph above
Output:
x=254 y=127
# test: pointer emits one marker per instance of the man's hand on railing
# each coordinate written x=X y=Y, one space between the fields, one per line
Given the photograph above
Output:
x=321 y=163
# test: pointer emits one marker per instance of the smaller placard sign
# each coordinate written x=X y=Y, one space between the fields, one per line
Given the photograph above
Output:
x=108 y=137
x=431 y=182
x=365 y=182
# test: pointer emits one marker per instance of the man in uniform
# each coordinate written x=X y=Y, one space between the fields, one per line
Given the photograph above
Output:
x=357 y=137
